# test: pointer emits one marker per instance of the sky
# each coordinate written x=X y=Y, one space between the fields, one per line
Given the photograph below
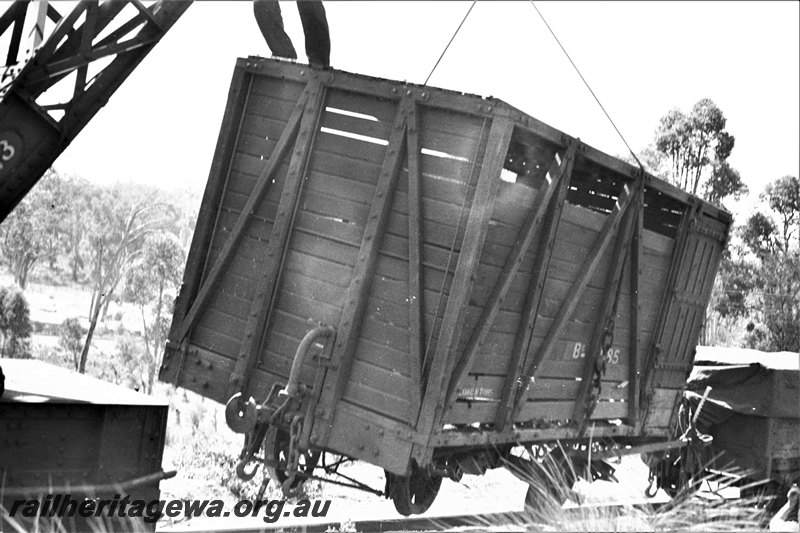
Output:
x=641 y=59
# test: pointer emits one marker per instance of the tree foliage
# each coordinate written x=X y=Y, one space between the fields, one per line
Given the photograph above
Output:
x=75 y=225
x=763 y=282
x=151 y=284
x=32 y=231
x=783 y=198
x=118 y=224
x=692 y=150
x=69 y=231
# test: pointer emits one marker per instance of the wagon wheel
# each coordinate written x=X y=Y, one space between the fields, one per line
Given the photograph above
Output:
x=413 y=494
x=276 y=454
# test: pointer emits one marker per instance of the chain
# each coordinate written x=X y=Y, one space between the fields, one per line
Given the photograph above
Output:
x=652 y=484
x=293 y=455
x=600 y=362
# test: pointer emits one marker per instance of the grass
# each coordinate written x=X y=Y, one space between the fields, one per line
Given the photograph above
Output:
x=688 y=511
x=39 y=524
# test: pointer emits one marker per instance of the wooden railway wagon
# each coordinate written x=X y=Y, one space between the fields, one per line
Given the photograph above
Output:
x=431 y=277
x=66 y=437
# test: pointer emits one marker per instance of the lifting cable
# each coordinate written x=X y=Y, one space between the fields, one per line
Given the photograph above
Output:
x=587 y=85
x=451 y=41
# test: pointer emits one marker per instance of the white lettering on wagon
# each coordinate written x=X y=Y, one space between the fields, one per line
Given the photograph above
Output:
x=477 y=394
x=579 y=352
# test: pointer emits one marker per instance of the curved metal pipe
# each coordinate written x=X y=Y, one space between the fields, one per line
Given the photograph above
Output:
x=301 y=354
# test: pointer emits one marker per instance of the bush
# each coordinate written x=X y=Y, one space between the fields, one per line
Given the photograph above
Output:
x=70 y=338
x=15 y=323
x=130 y=354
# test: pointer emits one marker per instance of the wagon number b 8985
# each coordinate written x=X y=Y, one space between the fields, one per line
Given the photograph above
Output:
x=579 y=352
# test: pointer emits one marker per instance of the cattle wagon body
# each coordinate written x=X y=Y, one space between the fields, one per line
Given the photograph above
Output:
x=412 y=276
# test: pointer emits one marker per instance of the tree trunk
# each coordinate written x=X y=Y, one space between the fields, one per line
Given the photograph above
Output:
x=157 y=336
x=75 y=264
x=21 y=275
x=89 y=334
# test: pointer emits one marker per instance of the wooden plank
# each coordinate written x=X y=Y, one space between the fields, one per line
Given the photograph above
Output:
x=378 y=390
x=230 y=246
x=276 y=87
x=383 y=110
x=564 y=367
x=485 y=412
x=452 y=124
x=304 y=307
x=447 y=171
x=350 y=323
x=248 y=168
x=340 y=144
x=661 y=406
x=501 y=287
x=377 y=401
x=534 y=294
x=346 y=166
x=589 y=266
x=325 y=181
x=234 y=202
x=497 y=353
x=258 y=131
x=326 y=249
x=339 y=208
x=556 y=290
x=318 y=268
x=320 y=291
x=489 y=388
x=442 y=213
x=328 y=227
x=474 y=235
x=359 y=126
x=263 y=301
x=434 y=187
x=454 y=438
x=416 y=291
